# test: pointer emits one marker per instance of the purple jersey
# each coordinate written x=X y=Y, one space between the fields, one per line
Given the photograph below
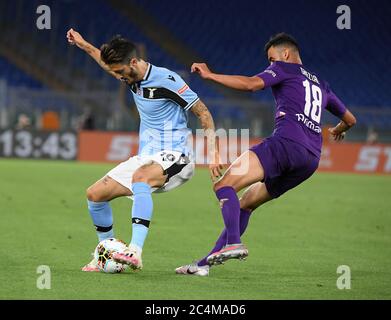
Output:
x=300 y=99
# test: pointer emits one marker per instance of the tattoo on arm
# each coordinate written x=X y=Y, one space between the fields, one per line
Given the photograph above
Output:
x=207 y=123
x=202 y=113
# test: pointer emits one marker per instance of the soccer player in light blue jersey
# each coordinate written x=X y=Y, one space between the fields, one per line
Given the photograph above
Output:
x=164 y=160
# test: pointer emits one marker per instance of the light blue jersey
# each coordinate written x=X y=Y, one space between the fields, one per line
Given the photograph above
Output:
x=162 y=99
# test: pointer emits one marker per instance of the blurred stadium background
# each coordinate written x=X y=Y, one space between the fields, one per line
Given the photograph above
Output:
x=40 y=72
x=48 y=86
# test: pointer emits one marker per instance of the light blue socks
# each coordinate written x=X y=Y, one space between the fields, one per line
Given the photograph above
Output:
x=102 y=218
x=141 y=213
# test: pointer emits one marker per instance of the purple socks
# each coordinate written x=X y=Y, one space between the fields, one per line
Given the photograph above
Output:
x=230 y=208
x=222 y=240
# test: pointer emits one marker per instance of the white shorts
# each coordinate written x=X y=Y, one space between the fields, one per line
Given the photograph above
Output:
x=178 y=168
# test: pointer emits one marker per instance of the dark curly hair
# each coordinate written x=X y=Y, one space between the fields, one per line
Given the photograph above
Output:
x=118 y=50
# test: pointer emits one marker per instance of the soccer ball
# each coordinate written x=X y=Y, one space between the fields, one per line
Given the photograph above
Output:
x=103 y=254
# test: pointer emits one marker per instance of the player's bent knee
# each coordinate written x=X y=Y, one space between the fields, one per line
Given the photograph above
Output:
x=140 y=176
x=92 y=195
x=89 y=193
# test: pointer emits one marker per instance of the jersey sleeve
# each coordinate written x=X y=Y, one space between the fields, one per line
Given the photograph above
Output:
x=178 y=91
x=334 y=104
x=272 y=75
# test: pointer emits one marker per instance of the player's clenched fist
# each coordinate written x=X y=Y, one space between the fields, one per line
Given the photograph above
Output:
x=75 y=38
x=202 y=69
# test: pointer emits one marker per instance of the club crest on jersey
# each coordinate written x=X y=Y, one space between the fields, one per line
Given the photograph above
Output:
x=280 y=114
x=151 y=92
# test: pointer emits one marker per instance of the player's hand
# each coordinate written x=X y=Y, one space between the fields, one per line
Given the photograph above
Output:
x=202 y=69
x=338 y=136
x=74 y=38
x=215 y=168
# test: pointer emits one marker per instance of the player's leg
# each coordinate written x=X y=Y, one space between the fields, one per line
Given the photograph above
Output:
x=252 y=198
x=301 y=165
x=246 y=170
x=201 y=267
x=286 y=165
x=98 y=197
x=144 y=179
x=243 y=172
x=106 y=189
x=262 y=164
x=255 y=196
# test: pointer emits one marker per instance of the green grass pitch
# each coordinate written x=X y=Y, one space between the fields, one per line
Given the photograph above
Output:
x=295 y=243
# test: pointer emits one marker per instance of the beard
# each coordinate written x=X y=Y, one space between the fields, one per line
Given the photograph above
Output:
x=130 y=77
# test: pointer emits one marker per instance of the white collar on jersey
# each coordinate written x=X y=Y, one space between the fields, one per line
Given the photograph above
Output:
x=147 y=73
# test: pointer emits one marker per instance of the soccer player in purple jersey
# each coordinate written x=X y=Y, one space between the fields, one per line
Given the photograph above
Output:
x=280 y=162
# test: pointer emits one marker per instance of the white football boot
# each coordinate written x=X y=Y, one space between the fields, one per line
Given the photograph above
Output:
x=130 y=256
x=92 y=266
x=193 y=270
x=230 y=251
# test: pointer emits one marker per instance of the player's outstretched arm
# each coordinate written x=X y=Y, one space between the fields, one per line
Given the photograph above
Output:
x=207 y=123
x=75 y=38
x=348 y=120
x=231 y=81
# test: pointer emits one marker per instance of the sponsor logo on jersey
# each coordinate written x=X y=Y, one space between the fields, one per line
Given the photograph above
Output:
x=308 y=123
x=271 y=72
x=170 y=77
x=183 y=89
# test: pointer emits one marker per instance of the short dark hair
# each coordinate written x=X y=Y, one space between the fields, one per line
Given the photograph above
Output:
x=118 y=50
x=281 y=38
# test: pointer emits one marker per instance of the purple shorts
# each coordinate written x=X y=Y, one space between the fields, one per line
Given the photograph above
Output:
x=286 y=164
